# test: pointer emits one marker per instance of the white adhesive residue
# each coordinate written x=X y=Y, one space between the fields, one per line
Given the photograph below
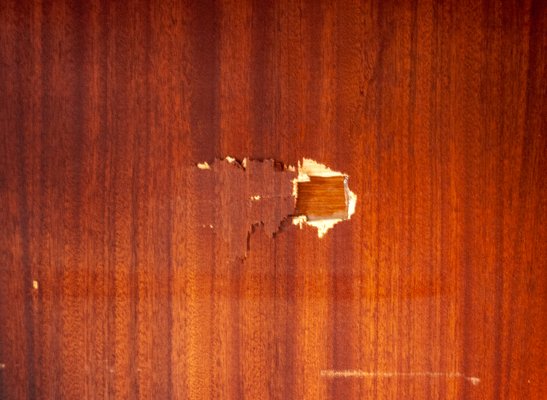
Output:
x=307 y=168
x=382 y=374
x=35 y=285
x=255 y=198
x=203 y=165
x=322 y=225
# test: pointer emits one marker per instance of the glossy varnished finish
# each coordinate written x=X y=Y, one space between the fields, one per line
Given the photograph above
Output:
x=110 y=289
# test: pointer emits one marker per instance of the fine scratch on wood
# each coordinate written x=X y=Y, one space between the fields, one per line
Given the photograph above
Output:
x=329 y=373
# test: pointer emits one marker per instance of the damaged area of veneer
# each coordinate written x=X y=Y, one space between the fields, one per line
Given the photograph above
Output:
x=233 y=198
x=323 y=197
x=236 y=197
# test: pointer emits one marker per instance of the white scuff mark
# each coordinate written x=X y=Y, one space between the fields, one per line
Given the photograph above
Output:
x=203 y=165
x=329 y=373
x=308 y=168
x=256 y=197
x=35 y=285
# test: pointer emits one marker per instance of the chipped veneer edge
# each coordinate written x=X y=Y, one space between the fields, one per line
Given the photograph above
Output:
x=231 y=160
x=307 y=168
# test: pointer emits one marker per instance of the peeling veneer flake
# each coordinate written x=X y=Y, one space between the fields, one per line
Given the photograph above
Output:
x=237 y=195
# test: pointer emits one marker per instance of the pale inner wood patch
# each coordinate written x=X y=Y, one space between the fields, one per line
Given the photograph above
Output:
x=322 y=197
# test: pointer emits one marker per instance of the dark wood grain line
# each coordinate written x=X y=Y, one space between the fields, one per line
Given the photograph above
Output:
x=50 y=201
x=134 y=264
x=78 y=138
x=23 y=219
x=168 y=241
x=204 y=73
x=264 y=93
x=489 y=10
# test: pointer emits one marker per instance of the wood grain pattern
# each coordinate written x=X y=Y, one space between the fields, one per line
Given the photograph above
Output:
x=435 y=109
x=322 y=198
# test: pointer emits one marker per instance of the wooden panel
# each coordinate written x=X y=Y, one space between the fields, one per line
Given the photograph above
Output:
x=436 y=288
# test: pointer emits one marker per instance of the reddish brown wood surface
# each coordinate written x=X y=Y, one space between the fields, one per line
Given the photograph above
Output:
x=436 y=110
